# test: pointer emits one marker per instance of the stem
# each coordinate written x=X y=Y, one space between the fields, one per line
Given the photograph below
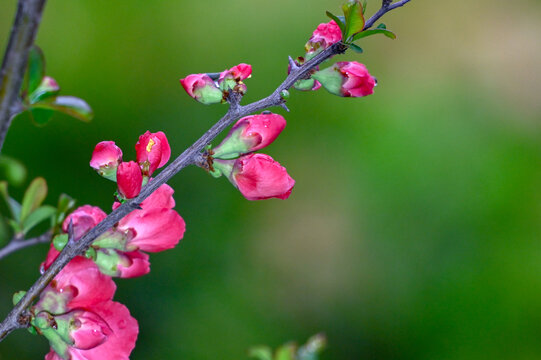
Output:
x=22 y=36
x=18 y=244
x=384 y=9
x=16 y=319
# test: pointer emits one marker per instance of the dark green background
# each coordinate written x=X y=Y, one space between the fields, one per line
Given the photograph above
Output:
x=414 y=229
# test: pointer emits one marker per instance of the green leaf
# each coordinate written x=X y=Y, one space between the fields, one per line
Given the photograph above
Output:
x=12 y=170
x=371 y=32
x=286 y=352
x=47 y=88
x=356 y=48
x=65 y=204
x=35 y=70
x=353 y=11
x=70 y=105
x=17 y=229
x=12 y=204
x=33 y=197
x=35 y=217
x=312 y=348
x=364 y=3
x=40 y=116
x=338 y=21
x=260 y=353
x=381 y=26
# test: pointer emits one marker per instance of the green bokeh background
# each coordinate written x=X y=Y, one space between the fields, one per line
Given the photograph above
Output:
x=413 y=231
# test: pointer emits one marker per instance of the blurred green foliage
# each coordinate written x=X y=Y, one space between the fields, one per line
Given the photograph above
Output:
x=413 y=231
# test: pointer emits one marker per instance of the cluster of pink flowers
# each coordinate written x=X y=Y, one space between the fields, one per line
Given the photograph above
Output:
x=203 y=89
x=257 y=176
x=76 y=312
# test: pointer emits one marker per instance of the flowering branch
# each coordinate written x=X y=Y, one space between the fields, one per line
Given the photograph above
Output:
x=18 y=243
x=17 y=317
x=21 y=39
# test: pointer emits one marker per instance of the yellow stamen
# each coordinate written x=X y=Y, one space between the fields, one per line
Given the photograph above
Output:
x=150 y=145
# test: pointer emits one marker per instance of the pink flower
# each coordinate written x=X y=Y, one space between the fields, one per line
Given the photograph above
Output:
x=129 y=179
x=202 y=88
x=238 y=73
x=105 y=159
x=107 y=332
x=133 y=264
x=84 y=218
x=157 y=227
x=257 y=176
x=250 y=133
x=153 y=151
x=325 y=35
x=348 y=78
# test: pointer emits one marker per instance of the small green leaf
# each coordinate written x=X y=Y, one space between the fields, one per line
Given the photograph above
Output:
x=366 y=33
x=364 y=3
x=35 y=70
x=286 y=352
x=33 y=197
x=353 y=12
x=12 y=204
x=47 y=88
x=65 y=204
x=18 y=296
x=35 y=217
x=260 y=353
x=40 y=117
x=60 y=241
x=356 y=48
x=12 y=170
x=338 y=21
x=381 y=26
x=70 y=105
x=15 y=226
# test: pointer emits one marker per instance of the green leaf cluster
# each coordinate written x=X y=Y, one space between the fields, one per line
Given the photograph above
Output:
x=290 y=351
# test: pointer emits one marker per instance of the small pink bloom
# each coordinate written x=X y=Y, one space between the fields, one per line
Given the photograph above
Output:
x=84 y=218
x=249 y=134
x=238 y=73
x=153 y=151
x=258 y=177
x=133 y=264
x=105 y=158
x=325 y=35
x=86 y=329
x=129 y=179
x=202 y=88
x=358 y=81
x=118 y=340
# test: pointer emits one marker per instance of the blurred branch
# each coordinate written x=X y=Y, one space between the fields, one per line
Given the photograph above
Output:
x=16 y=317
x=17 y=244
x=386 y=6
x=22 y=36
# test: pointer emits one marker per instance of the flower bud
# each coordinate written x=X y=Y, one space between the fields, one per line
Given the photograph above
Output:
x=153 y=151
x=202 y=88
x=105 y=159
x=232 y=79
x=257 y=176
x=349 y=79
x=325 y=35
x=84 y=218
x=250 y=133
x=129 y=179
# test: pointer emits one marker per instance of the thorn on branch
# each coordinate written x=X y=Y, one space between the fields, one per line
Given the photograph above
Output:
x=283 y=105
x=292 y=64
x=71 y=234
x=136 y=206
x=386 y=3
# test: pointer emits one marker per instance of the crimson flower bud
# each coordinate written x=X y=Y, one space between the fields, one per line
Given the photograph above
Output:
x=325 y=35
x=153 y=151
x=250 y=133
x=202 y=88
x=129 y=179
x=232 y=79
x=257 y=176
x=105 y=159
x=348 y=78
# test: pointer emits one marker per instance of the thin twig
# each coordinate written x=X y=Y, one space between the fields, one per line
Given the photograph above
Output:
x=15 y=318
x=13 y=68
x=17 y=244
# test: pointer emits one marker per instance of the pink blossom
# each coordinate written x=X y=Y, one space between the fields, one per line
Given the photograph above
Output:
x=325 y=35
x=157 y=227
x=133 y=264
x=258 y=177
x=84 y=218
x=105 y=159
x=358 y=81
x=153 y=151
x=129 y=179
x=202 y=88
x=238 y=73
x=116 y=335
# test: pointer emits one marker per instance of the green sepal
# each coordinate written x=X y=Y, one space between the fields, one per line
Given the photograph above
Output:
x=32 y=330
x=232 y=146
x=225 y=167
x=56 y=341
x=215 y=173
x=91 y=253
x=108 y=172
x=330 y=79
x=304 y=85
x=69 y=105
x=371 y=32
x=353 y=12
x=112 y=240
x=60 y=241
x=107 y=261
x=33 y=197
x=338 y=21
x=209 y=95
x=35 y=217
x=18 y=296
